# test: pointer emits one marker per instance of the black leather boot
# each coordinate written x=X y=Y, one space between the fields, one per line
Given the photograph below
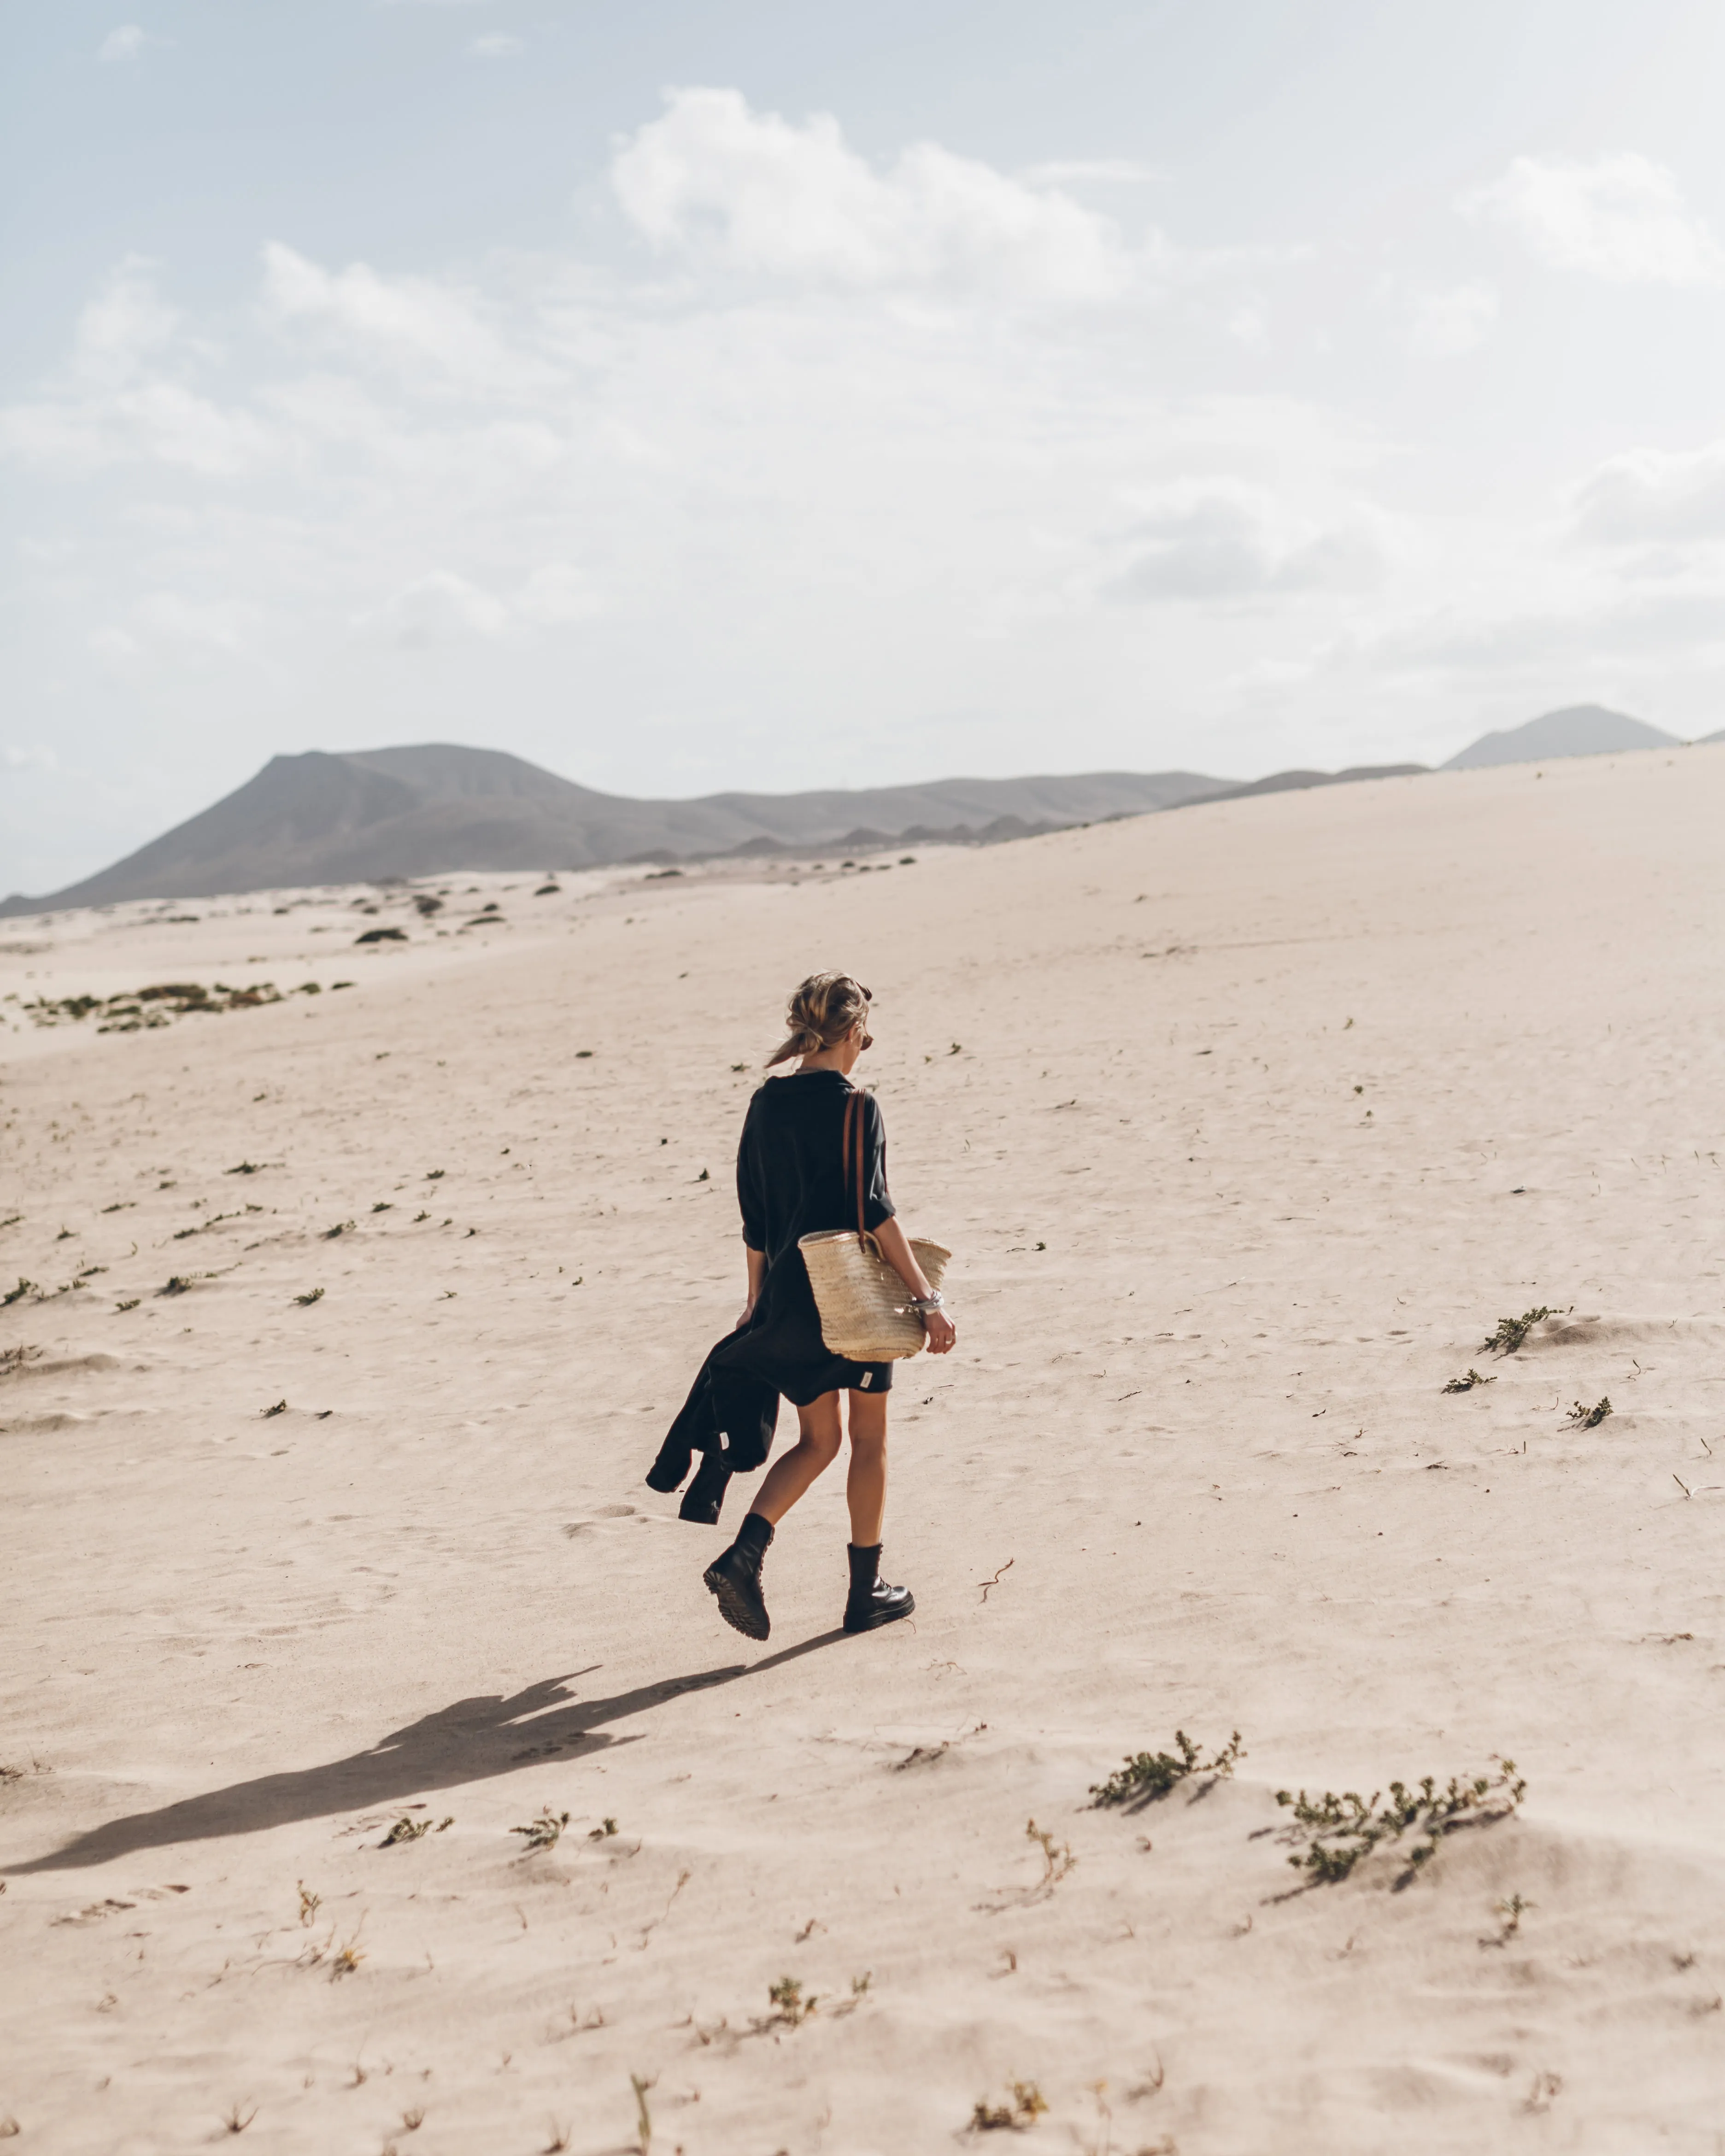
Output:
x=872 y=1602
x=705 y=1494
x=736 y=1578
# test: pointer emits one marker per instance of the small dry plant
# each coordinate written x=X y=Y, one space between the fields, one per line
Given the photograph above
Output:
x=1512 y=1332
x=543 y=1832
x=1589 y=1418
x=1148 y=1777
x=640 y=2083
x=1026 y=2106
x=413 y=1829
x=305 y=1300
x=1337 y=1831
x=1468 y=1380
x=1057 y=1857
x=235 y=2120
x=1509 y=1915
x=310 y=1903
x=14 y=1359
x=602 y=1831
x=789 y=2006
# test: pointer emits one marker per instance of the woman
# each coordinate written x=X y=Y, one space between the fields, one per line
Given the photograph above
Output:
x=790 y=1182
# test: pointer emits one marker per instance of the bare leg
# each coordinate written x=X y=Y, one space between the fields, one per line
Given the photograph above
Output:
x=866 y=1485
x=814 y=1451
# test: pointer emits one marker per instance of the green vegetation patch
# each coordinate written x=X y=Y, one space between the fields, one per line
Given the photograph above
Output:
x=1334 y=1832
x=1146 y=1777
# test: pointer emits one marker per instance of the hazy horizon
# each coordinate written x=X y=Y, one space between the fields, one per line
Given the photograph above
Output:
x=691 y=398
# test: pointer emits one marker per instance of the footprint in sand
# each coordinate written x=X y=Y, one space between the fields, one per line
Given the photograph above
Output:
x=574 y=1527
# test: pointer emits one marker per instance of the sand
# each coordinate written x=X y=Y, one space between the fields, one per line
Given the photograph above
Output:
x=1246 y=1124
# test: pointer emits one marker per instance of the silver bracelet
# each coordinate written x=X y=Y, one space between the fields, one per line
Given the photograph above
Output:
x=923 y=1304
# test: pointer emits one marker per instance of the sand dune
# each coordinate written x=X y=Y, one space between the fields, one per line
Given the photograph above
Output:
x=1247 y=1127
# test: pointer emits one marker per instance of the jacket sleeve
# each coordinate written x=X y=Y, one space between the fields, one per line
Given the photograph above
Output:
x=877 y=1202
x=750 y=1194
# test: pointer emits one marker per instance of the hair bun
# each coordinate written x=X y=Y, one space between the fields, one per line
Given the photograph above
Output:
x=822 y=1011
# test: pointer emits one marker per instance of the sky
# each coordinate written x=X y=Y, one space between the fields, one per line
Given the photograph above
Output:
x=692 y=395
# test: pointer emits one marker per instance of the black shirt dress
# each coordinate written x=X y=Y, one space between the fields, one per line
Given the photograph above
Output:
x=791 y=1183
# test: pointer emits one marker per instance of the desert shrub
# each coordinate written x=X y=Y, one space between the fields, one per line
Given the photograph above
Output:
x=1146 y=1777
x=1512 y=1332
x=1336 y=1832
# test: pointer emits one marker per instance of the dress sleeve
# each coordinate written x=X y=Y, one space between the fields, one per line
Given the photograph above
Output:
x=750 y=1194
x=877 y=1205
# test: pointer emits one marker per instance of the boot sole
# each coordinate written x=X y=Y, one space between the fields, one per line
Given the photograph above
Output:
x=737 y=1613
x=876 y=1617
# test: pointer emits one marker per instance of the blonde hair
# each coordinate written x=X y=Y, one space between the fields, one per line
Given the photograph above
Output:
x=824 y=1010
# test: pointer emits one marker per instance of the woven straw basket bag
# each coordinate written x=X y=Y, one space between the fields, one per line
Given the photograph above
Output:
x=864 y=1310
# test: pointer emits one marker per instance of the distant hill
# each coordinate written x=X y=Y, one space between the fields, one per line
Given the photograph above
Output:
x=1292 y=782
x=318 y=818
x=1577 y=730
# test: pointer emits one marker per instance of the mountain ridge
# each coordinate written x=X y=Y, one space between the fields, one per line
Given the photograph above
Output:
x=1576 y=730
x=438 y=807
x=361 y=815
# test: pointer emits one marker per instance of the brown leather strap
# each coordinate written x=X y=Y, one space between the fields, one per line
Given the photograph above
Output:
x=852 y=1116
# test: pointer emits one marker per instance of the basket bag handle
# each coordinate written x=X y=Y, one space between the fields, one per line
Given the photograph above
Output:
x=854 y=1121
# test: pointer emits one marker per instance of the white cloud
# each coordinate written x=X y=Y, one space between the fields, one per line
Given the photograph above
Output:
x=118 y=402
x=165 y=631
x=500 y=46
x=158 y=421
x=411 y=322
x=171 y=617
x=1622 y=218
x=1654 y=495
x=752 y=192
x=1223 y=539
x=1444 y=324
x=557 y=592
x=1091 y=172
x=440 y=608
x=34 y=757
x=125 y=326
x=1535 y=646
x=125 y=44
x=444 y=607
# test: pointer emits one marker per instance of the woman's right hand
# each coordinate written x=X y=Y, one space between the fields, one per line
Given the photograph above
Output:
x=747 y=1312
x=941 y=1331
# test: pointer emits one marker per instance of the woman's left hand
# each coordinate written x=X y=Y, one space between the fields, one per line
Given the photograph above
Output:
x=941 y=1331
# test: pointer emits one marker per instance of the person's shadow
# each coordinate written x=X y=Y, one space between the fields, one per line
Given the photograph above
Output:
x=471 y=1741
